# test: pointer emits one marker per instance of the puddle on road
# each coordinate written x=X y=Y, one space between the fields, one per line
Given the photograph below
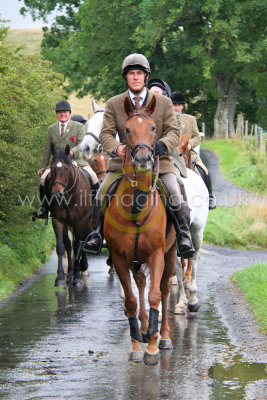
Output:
x=230 y=381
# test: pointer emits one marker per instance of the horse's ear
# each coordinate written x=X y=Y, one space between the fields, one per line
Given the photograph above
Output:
x=128 y=108
x=52 y=148
x=67 y=150
x=94 y=105
x=150 y=108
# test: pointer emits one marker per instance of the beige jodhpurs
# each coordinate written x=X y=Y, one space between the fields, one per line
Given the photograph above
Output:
x=86 y=167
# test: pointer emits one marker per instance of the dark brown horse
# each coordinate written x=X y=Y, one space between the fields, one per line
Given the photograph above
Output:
x=135 y=229
x=70 y=206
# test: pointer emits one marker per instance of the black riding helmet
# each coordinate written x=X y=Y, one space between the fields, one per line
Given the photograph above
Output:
x=63 y=105
x=161 y=84
x=177 y=97
x=78 y=118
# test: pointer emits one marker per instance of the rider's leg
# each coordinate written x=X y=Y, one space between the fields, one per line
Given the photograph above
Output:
x=43 y=210
x=94 y=178
x=182 y=216
x=96 y=238
x=204 y=173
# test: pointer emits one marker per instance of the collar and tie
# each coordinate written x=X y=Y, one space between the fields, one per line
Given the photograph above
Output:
x=136 y=101
x=62 y=126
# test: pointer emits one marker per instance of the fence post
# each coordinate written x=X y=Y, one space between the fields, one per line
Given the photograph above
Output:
x=260 y=139
x=246 y=130
x=256 y=133
x=203 y=129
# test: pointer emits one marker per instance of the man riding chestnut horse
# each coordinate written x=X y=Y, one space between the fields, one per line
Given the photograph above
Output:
x=136 y=72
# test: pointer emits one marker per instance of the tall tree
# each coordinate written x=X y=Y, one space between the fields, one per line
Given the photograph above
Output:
x=208 y=49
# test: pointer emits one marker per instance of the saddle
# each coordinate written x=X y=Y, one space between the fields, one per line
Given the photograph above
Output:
x=187 y=154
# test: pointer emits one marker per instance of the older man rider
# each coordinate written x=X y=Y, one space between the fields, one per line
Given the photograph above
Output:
x=136 y=71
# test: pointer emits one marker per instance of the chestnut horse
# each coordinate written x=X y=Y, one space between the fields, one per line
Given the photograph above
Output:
x=70 y=205
x=135 y=232
x=99 y=163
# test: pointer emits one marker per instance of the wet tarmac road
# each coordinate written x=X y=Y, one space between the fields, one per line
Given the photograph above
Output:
x=74 y=343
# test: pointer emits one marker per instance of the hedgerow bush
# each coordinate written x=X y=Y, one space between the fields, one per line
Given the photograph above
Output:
x=29 y=90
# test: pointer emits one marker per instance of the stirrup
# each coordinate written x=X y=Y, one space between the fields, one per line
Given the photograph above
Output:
x=42 y=215
x=88 y=237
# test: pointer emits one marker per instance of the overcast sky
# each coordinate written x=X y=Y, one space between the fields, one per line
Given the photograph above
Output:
x=9 y=9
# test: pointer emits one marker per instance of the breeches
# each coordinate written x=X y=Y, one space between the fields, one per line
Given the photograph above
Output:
x=196 y=159
x=86 y=167
x=169 y=180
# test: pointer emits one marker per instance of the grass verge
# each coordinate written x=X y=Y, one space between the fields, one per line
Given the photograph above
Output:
x=24 y=247
x=252 y=281
x=242 y=227
x=240 y=163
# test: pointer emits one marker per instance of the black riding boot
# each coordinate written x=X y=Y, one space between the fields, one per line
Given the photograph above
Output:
x=185 y=248
x=43 y=212
x=212 y=200
x=94 y=243
x=94 y=190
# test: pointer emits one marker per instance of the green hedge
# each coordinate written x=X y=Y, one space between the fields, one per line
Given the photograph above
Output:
x=29 y=90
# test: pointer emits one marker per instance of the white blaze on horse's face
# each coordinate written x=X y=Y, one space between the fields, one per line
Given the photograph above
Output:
x=59 y=164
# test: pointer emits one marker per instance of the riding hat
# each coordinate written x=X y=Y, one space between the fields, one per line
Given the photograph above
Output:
x=161 y=84
x=135 y=61
x=177 y=97
x=63 y=105
x=78 y=118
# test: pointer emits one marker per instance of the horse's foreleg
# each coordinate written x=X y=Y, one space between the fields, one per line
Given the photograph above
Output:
x=130 y=304
x=68 y=246
x=77 y=278
x=197 y=236
x=180 y=307
x=140 y=280
x=170 y=256
x=58 y=229
x=156 y=266
x=188 y=273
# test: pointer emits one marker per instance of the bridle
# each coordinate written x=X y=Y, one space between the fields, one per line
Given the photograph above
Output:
x=65 y=185
x=135 y=149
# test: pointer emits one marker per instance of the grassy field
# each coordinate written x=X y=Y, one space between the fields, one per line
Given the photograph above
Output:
x=30 y=39
x=242 y=227
x=252 y=281
x=241 y=164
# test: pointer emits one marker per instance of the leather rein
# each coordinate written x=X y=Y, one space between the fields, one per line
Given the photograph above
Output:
x=134 y=184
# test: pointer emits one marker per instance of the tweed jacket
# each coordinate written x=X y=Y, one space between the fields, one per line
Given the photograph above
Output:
x=115 y=120
x=189 y=125
x=72 y=136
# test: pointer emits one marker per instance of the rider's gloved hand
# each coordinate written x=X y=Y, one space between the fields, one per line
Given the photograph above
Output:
x=160 y=148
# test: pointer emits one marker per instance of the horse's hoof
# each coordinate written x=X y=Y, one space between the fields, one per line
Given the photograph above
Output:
x=60 y=282
x=111 y=270
x=179 y=310
x=144 y=337
x=151 y=359
x=165 y=344
x=193 y=307
x=78 y=282
x=137 y=356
